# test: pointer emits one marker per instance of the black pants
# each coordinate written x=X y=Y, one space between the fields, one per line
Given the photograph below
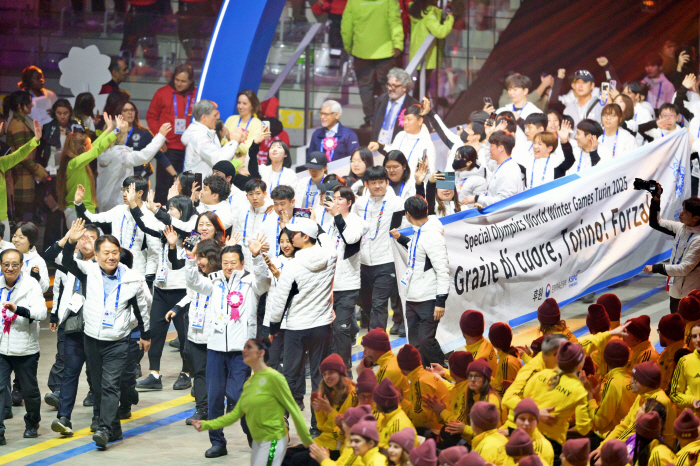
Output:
x=344 y=307
x=421 y=324
x=371 y=79
x=25 y=368
x=556 y=446
x=196 y=354
x=191 y=21
x=317 y=341
x=276 y=350
x=164 y=301
x=694 y=185
x=128 y=394
x=674 y=304
x=74 y=359
x=107 y=360
x=397 y=307
x=56 y=373
x=262 y=331
x=138 y=23
x=163 y=179
x=378 y=283
x=334 y=37
x=301 y=456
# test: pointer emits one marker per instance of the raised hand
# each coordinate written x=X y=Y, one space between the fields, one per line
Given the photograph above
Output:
x=489 y=108
x=689 y=81
x=79 y=194
x=234 y=239
x=425 y=106
x=109 y=123
x=437 y=369
x=37 y=130
x=195 y=192
x=261 y=137
x=150 y=203
x=170 y=236
x=564 y=131
x=122 y=125
x=237 y=135
x=561 y=73
x=434 y=176
x=77 y=230
x=173 y=191
x=165 y=129
x=683 y=58
x=255 y=245
x=421 y=171
x=373 y=146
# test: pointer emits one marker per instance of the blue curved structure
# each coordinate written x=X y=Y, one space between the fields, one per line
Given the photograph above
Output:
x=238 y=50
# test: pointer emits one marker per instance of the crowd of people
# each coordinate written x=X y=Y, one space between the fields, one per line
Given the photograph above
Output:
x=260 y=268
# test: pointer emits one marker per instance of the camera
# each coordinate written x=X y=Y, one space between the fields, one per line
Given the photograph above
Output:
x=646 y=185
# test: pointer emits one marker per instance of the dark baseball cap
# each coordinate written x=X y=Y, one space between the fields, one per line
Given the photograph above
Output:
x=316 y=160
x=584 y=75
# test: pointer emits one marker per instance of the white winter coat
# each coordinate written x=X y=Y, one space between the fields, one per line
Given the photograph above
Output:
x=412 y=146
x=347 y=271
x=31 y=259
x=203 y=149
x=376 y=246
x=287 y=177
x=23 y=338
x=623 y=144
x=684 y=258
x=425 y=285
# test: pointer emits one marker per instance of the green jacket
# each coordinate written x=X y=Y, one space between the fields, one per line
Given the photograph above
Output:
x=77 y=171
x=429 y=24
x=372 y=29
x=8 y=162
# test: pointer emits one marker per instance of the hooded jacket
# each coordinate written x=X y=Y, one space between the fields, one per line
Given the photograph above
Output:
x=427 y=257
x=23 y=337
x=307 y=283
x=203 y=149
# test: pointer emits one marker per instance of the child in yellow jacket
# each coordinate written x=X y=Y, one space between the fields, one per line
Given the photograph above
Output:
x=637 y=338
x=672 y=339
x=377 y=350
x=550 y=320
x=393 y=419
x=527 y=418
x=686 y=429
x=484 y=419
x=685 y=384
x=617 y=396
x=501 y=337
x=472 y=325
x=689 y=309
x=347 y=458
x=647 y=443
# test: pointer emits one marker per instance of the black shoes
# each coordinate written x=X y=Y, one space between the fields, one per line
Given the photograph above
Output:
x=215 y=452
x=95 y=424
x=63 y=426
x=51 y=399
x=116 y=435
x=124 y=413
x=9 y=414
x=394 y=329
x=101 y=438
x=17 y=398
x=183 y=382
x=31 y=432
x=89 y=399
x=402 y=331
x=175 y=343
x=199 y=415
x=2 y=440
x=150 y=383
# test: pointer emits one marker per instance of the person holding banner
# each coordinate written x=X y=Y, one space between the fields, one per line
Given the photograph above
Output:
x=587 y=133
x=683 y=272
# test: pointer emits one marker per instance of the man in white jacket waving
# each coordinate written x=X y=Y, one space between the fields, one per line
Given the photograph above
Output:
x=305 y=291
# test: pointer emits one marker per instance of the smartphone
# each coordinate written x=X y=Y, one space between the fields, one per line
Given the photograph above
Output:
x=448 y=182
x=604 y=87
x=301 y=213
x=488 y=101
x=425 y=156
x=266 y=126
x=330 y=197
x=613 y=84
x=198 y=180
x=191 y=241
x=492 y=119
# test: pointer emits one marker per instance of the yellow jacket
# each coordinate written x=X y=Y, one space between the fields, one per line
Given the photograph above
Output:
x=514 y=394
x=688 y=326
x=542 y=446
x=331 y=436
x=484 y=349
x=682 y=455
x=390 y=424
x=667 y=365
x=660 y=455
x=616 y=400
x=254 y=128
x=389 y=368
x=627 y=426
x=595 y=342
x=423 y=383
x=492 y=398
x=456 y=406
x=567 y=398
x=685 y=384
x=508 y=367
x=347 y=457
x=643 y=352
x=568 y=334
x=487 y=445
x=375 y=458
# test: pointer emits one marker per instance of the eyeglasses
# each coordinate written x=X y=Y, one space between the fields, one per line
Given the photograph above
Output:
x=11 y=265
x=393 y=86
x=474 y=377
x=128 y=110
x=326 y=114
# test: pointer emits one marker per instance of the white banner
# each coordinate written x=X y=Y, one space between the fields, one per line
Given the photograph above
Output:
x=566 y=238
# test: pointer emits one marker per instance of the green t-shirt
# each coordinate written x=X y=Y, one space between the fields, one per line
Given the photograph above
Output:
x=8 y=162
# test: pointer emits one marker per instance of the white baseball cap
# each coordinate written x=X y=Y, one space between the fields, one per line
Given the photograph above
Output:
x=305 y=226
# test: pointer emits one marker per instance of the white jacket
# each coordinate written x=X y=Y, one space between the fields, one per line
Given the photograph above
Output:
x=218 y=330
x=115 y=165
x=306 y=194
x=203 y=149
x=250 y=222
x=287 y=177
x=67 y=282
x=376 y=248
x=412 y=146
x=622 y=144
x=280 y=262
x=222 y=210
x=133 y=284
x=506 y=181
x=131 y=237
x=312 y=270
x=528 y=109
x=32 y=259
x=347 y=271
x=684 y=258
x=23 y=338
x=425 y=285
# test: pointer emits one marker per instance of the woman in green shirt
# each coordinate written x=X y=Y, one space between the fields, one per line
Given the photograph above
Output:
x=263 y=402
x=75 y=169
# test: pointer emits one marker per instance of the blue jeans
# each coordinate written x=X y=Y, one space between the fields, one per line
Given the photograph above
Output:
x=226 y=373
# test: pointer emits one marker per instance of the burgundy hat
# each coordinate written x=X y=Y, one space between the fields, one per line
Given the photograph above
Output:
x=482 y=367
x=353 y=415
x=532 y=460
x=459 y=362
x=485 y=415
x=689 y=307
x=406 y=437
x=639 y=327
x=333 y=363
x=452 y=455
x=366 y=427
x=672 y=327
x=409 y=358
x=536 y=345
x=366 y=381
x=616 y=354
x=385 y=394
x=589 y=366
x=612 y=305
x=648 y=374
x=471 y=459
x=686 y=425
x=695 y=293
x=597 y=319
x=527 y=405
x=377 y=339
x=424 y=454
x=548 y=313
x=472 y=323
x=569 y=356
x=649 y=425
x=501 y=336
x=614 y=453
x=576 y=451
x=519 y=444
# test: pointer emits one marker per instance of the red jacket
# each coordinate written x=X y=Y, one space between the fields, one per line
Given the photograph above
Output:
x=162 y=111
x=334 y=7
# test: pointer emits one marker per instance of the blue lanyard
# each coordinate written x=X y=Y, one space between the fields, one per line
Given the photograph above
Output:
x=121 y=233
x=313 y=198
x=187 y=107
x=77 y=284
x=532 y=172
x=658 y=95
x=247 y=124
x=379 y=218
x=521 y=110
x=496 y=172
x=9 y=292
x=401 y=188
x=415 y=248
x=119 y=288
x=128 y=136
x=673 y=261
x=580 y=160
x=279 y=177
x=245 y=225
x=408 y=159
x=615 y=143
x=277 y=240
